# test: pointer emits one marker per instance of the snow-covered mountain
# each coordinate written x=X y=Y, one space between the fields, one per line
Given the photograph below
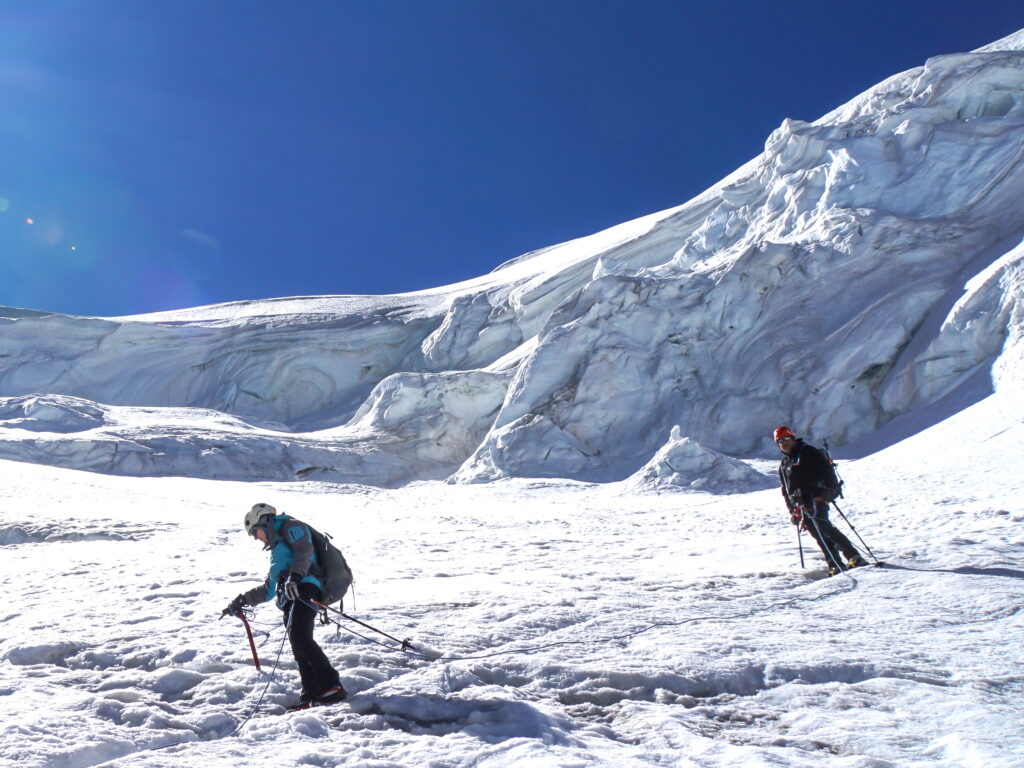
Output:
x=866 y=267
x=862 y=279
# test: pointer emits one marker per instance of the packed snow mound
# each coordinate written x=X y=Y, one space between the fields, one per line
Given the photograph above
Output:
x=862 y=269
x=684 y=463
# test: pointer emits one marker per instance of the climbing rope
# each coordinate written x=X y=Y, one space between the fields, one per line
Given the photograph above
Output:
x=270 y=678
x=238 y=728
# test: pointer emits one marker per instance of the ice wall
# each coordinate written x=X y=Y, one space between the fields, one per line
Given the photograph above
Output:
x=865 y=266
x=822 y=287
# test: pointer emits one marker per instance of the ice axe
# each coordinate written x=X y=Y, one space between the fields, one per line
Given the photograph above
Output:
x=248 y=633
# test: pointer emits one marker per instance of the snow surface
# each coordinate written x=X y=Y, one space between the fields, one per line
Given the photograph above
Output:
x=862 y=280
x=598 y=626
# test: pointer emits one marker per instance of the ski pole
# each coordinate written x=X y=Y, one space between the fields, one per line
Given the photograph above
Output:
x=856 y=534
x=406 y=644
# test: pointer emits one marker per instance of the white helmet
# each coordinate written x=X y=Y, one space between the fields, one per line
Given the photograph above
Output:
x=254 y=515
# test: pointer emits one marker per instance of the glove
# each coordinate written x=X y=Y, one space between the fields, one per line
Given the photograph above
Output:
x=291 y=587
x=795 y=517
x=234 y=607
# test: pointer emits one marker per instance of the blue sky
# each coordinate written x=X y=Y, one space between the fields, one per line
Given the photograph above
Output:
x=162 y=155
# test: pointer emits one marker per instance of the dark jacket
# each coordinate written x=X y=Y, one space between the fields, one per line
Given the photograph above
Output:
x=806 y=475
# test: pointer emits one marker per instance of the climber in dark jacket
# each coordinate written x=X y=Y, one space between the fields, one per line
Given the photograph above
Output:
x=293 y=580
x=808 y=486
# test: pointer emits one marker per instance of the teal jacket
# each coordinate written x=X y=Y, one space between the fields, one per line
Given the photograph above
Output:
x=291 y=551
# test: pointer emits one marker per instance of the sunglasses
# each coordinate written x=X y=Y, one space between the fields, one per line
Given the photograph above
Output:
x=782 y=440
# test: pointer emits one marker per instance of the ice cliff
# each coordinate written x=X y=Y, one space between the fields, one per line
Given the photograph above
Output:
x=865 y=267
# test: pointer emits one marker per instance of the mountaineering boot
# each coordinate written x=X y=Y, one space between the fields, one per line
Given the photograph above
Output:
x=832 y=570
x=856 y=561
x=331 y=695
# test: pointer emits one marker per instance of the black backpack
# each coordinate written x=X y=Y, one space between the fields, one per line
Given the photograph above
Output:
x=335 y=575
x=831 y=484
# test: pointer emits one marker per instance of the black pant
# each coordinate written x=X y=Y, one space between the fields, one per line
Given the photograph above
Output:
x=315 y=669
x=833 y=544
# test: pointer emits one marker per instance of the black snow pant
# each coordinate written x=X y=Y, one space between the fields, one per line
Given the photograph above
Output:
x=315 y=669
x=833 y=544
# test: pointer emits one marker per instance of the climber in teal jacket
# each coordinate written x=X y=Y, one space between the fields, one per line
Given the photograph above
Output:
x=291 y=558
x=293 y=581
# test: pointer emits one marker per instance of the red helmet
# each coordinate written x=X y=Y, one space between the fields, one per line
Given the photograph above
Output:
x=781 y=432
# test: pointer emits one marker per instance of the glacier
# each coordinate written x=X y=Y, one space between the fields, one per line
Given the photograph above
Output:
x=862 y=279
x=864 y=270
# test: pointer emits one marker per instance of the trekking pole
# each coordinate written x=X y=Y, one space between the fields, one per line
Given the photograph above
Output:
x=877 y=561
x=800 y=546
x=406 y=644
x=830 y=555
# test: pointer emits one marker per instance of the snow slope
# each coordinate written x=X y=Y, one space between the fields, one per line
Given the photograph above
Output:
x=596 y=626
x=864 y=270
